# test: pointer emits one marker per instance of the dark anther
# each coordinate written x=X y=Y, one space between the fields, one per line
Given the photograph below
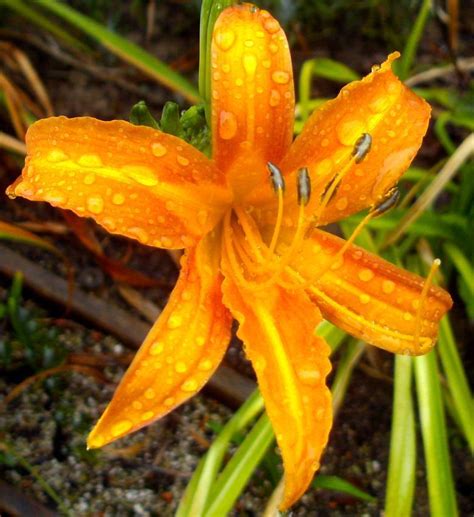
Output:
x=304 y=186
x=388 y=202
x=276 y=177
x=362 y=147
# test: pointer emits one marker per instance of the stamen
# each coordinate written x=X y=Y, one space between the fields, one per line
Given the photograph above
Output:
x=424 y=295
x=276 y=177
x=278 y=182
x=359 y=152
x=304 y=186
x=362 y=147
x=389 y=201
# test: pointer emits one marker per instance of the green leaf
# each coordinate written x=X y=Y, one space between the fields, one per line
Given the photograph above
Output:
x=126 y=50
x=140 y=116
x=441 y=491
x=341 y=485
x=402 y=462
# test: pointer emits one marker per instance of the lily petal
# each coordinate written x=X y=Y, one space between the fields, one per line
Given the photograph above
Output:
x=291 y=363
x=253 y=94
x=370 y=298
x=180 y=353
x=133 y=180
x=380 y=105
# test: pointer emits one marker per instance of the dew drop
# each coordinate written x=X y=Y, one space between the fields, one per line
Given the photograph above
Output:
x=280 y=76
x=89 y=160
x=166 y=242
x=89 y=179
x=205 y=365
x=366 y=275
x=150 y=394
x=147 y=415
x=200 y=340
x=168 y=401
x=136 y=404
x=186 y=295
x=95 y=204
x=311 y=377
x=364 y=298
x=174 y=321
x=158 y=149
x=189 y=385
x=121 y=427
x=118 y=199
x=54 y=196
x=250 y=64
x=182 y=160
x=139 y=233
x=341 y=203
x=275 y=98
x=180 y=367
x=407 y=316
x=273 y=47
x=156 y=348
x=57 y=155
x=141 y=174
x=227 y=125
x=249 y=43
x=388 y=286
x=271 y=25
x=224 y=39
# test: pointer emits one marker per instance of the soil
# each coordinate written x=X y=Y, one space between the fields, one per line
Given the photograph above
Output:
x=146 y=473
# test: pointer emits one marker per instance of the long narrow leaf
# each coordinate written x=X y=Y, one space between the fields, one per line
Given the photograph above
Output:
x=402 y=461
x=341 y=485
x=457 y=382
x=125 y=49
x=240 y=468
x=435 y=442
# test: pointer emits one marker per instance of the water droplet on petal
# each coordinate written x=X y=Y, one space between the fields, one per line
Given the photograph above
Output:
x=147 y=415
x=90 y=160
x=182 y=160
x=407 y=316
x=274 y=98
x=57 y=155
x=169 y=401
x=310 y=377
x=166 y=242
x=95 y=204
x=281 y=77
x=118 y=199
x=224 y=39
x=205 y=365
x=341 y=203
x=139 y=233
x=271 y=25
x=150 y=394
x=190 y=385
x=180 y=367
x=250 y=64
x=141 y=174
x=174 y=321
x=364 y=298
x=366 y=275
x=121 y=427
x=227 y=125
x=156 y=348
x=388 y=286
x=158 y=149
x=136 y=404
x=55 y=197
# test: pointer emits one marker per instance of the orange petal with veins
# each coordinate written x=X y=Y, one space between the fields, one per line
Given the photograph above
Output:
x=252 y=94
x=380 y=105
x=133 y=180
x=180 y=353
x=370 y=298
x=291 y=363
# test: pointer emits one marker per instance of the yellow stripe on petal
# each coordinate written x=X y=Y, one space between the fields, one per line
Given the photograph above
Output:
x=370 y=298
x=180 y=353
x=132 y=180
x=291 y=363
x=252 y=94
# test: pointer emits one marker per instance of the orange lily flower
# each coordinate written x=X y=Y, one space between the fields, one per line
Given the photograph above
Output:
x=253 y=250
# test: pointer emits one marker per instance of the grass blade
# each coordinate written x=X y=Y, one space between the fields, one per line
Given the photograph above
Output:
x=435 y=442
x=125 y=49
x=457 y=382
x=402 y=461
x=198 y=489
x=240 y=468
x=341 y=485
